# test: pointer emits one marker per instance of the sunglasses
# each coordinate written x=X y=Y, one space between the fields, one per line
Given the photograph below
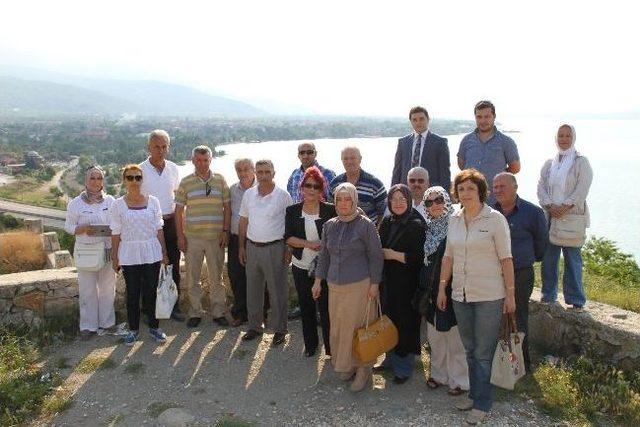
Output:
x=314 y=186
x=207 y=188
x=418 y=180
x=132 y=177
x=438 y=201
x=307 y=152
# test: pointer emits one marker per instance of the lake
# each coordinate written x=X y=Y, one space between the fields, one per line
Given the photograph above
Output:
x=610 y=145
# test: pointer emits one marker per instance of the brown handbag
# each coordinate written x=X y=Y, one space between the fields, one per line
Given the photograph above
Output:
x=371 y=340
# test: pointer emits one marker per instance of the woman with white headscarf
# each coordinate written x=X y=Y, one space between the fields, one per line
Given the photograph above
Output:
x=351 y=261
x=562 y=191
x=448 y=358
x=96 y=289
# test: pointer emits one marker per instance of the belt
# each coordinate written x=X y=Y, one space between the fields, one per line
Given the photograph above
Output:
x=169 y=216
x=261 y=244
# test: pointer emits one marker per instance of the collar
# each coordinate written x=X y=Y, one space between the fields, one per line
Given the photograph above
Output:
x=515 y=208
x=423 y=134
x=211 y=175
x=495 y=133
x=484 y=212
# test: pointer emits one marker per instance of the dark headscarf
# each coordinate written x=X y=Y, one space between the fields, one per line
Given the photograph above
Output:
x=402 y=219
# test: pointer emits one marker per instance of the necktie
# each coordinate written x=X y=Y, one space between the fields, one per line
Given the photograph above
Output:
x=415 y=160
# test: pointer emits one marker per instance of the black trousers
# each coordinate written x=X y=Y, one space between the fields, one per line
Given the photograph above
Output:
x=141 y=280
x=171 y=242
x=524 y=278
x=309 y=312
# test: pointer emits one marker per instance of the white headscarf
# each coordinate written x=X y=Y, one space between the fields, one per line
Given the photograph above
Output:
x=560 y=167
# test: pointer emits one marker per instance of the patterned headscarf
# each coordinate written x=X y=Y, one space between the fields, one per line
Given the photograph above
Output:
x=406 y=193
x=351 y=190
x=87 y=195
x=436 y=227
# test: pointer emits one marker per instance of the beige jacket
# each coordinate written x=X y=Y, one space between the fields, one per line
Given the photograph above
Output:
x=576 y=189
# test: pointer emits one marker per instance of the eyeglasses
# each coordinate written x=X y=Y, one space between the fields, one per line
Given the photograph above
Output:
x=314 y=186
x=438 y=200
x=132 y=177
x=207 y=188
x=95 y=178
x=418 y=180
x=307 y=152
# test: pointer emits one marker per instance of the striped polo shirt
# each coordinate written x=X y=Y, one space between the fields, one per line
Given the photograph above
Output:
x=372 y=196
x=203 y=200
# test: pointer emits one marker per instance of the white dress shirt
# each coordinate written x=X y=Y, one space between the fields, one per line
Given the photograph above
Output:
x=161 y=185
x=265 y=214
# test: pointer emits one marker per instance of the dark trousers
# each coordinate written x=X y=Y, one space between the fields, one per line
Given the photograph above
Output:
x=238 y=279
x=141 y=280
x=309 y=312
x=171 y=242
x=524 y=278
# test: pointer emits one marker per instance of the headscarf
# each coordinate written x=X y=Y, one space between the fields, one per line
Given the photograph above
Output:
x=436 y=227
x=406 y=193
x=351 y=190
x=87 y=195
x=560 y=167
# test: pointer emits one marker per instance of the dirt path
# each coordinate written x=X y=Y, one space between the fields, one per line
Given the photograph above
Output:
x=214 y=377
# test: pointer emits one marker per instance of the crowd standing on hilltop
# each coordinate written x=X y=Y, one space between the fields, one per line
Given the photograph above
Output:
x=349 y=242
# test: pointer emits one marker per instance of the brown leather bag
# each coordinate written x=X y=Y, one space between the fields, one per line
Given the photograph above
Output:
x=375 y=338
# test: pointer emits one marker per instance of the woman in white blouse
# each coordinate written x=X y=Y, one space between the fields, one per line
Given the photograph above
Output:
x=478 y=254
x=138 y=247
x=96 y=289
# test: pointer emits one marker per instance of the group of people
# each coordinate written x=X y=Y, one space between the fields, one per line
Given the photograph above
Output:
x=350 y=243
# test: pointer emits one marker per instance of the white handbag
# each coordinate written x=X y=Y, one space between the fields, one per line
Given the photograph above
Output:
x=568 y=231
x=508 y=361
x=166 y=293
x=90 y=256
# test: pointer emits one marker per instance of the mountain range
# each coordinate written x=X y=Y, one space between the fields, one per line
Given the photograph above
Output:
x=27 y=91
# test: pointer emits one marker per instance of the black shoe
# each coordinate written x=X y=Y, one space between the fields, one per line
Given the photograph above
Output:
x=221 y=321
x=278 y=338
x=177 y=316
x=379 y=369
x=193 y=322
x=310 y=353
x=251 y=335
x=400 y=380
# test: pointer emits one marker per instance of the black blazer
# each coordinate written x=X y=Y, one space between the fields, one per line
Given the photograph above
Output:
x=435 y=159
x=294 y=223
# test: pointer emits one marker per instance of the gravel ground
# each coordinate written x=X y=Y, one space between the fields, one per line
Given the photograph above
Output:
x=212 y=376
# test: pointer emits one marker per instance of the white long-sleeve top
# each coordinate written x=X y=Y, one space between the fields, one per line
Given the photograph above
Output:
x=138 y=230
x=80 y=212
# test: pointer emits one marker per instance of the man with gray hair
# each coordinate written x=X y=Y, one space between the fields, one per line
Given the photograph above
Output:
x=372 y=196
x=161 y=179
x=263 y=252
x=203 y=218
x=529 y=236
x=418 y=181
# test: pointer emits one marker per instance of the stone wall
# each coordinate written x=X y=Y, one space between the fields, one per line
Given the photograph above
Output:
x=607 y=333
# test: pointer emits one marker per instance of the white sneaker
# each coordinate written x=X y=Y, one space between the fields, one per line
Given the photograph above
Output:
x=464 y=404
x=476 y=416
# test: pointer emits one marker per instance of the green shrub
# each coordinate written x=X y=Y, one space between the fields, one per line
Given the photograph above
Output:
x=10 y=222
x=602 y=256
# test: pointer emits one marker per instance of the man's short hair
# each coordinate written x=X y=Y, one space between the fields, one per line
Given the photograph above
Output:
x=263 y=162
x=419 y=169
x=418 y=109
x=351 y=148
x=474 y=176
x=507 y=174
x=307 y=143
x=484 y=104
x=201 y=149
x=158 y=134
x=242 y=160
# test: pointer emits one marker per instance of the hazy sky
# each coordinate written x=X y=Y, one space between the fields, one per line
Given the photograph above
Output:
x=348 y=57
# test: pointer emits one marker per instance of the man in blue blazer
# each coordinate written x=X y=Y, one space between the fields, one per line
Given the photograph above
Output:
x=422 y=148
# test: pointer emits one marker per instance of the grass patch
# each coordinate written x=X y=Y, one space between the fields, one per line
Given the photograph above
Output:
x=21 y=251
x=137 y=368
x=28 y=189
x=24 y=387
x=583 y=392
x=233 y=421
x=156 y=408
x=59 y=401
x=92 y=364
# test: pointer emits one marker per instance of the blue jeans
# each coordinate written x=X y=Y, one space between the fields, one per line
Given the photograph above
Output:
x=479 y=327
x=402 y=366
x=572 y=279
